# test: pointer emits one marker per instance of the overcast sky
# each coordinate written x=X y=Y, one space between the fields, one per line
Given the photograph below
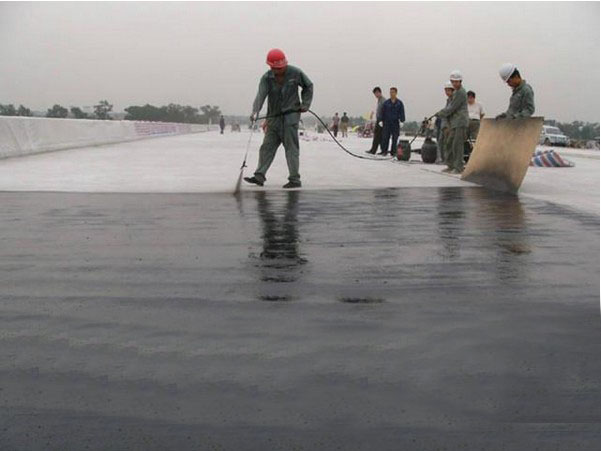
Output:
x=198 y=53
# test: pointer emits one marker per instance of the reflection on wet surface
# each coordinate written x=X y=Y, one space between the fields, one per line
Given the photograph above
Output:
x=419 y=318
x=280 y=259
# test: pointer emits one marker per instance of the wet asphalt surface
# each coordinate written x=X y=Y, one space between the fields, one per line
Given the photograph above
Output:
x=422 y=318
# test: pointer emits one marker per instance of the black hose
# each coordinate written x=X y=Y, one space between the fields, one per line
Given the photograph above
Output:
x=329 y=132
x=420 y=129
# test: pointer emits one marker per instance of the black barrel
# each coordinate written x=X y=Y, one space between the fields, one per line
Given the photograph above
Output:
x=429 y=151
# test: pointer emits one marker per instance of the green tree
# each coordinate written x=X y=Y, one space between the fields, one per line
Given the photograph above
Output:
x=210 y=113
x=578 y=130
x=8 y=110
x=191 y=115
x=57 y=111
x=78 y=113
x=103 y=109
x=144 y=113
x=168 y=113
x=174 y=113
x=24 y=111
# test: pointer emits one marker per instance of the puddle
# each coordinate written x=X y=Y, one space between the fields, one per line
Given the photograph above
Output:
x=352 y=300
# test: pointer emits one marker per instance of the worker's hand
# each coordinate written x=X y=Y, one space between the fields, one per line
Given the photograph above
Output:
x=264 y=126
x=304 y=109
x=501 y=116
x=381 y=124
x=253 y=117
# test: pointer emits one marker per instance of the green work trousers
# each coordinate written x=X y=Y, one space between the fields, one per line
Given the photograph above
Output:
x=454 y=147
x=279 y=133
x=443 y=142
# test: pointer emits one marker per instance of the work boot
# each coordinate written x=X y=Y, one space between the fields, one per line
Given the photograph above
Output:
x=447 y=170
x=253 y=180
x=290 y=185
x=383 y=153
x=371 y=152
x=457 y=171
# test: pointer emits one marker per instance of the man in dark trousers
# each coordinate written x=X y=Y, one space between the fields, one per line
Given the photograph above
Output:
x=344 y=121
x=380 y=99
x=391 y=116
x=335 y=123
x=222 y=124
x=279 y=86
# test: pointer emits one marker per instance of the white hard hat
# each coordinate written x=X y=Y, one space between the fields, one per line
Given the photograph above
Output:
x=456 y=75
x=448 y=85
x=506 y=70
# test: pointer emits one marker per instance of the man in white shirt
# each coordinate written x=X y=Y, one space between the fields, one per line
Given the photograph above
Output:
x=476 y=113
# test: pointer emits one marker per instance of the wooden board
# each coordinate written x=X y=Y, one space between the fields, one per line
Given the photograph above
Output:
x=502 y=153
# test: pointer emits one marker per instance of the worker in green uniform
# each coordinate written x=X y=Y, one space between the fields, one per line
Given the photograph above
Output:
x=521 y=102
x=443 y=126
x=280 y=86
x=457 y=117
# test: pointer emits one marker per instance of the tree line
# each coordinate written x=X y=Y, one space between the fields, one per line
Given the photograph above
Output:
x=10 y=110
x=577 y=130
x=101 y=111
x=167 y=113
x=185 y=114
x=584 y=131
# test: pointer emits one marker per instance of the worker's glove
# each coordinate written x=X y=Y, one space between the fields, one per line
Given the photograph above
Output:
x=501 y=116
x=381 y=124
x=264 y=126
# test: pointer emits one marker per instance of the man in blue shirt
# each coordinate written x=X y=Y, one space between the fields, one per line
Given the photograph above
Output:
x=390 y=118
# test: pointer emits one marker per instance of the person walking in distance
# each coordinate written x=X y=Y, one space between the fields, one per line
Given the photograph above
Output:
x=335 y=124
x=222 y=124
x=280 y=86
x=344 y=121
x=380 y=99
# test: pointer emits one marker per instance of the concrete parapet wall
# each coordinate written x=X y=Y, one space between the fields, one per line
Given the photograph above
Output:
x=21 y=136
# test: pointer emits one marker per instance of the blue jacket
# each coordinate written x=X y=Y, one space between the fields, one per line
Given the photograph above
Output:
x=392 y=113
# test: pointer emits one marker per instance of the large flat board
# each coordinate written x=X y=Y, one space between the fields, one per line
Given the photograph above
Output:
x=502 y=153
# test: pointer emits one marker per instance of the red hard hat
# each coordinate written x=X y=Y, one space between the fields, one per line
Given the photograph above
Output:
x=276 y=59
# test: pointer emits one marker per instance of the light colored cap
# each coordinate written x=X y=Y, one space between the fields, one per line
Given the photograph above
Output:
x=456 y=75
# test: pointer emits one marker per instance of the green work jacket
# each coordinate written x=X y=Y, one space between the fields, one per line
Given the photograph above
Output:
x=456 y=110
x=283 y=98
